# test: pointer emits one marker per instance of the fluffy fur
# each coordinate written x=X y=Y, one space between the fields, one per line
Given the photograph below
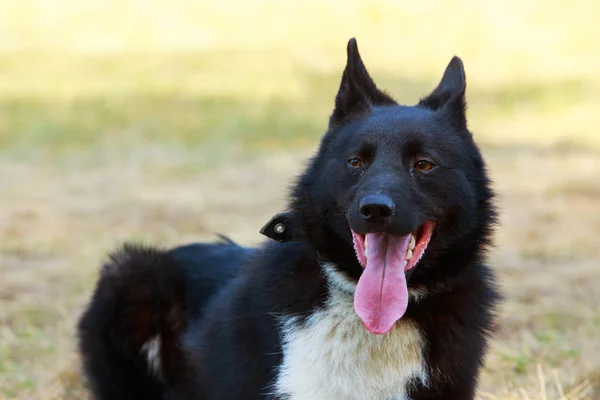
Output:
x=345 y=361
x=219 y=321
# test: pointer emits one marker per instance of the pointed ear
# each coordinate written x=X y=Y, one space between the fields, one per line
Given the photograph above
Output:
x=357 y=92
x=449 y=95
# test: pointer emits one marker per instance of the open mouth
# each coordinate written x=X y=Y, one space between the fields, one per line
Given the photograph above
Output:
x=381 y=297
x=417 y=245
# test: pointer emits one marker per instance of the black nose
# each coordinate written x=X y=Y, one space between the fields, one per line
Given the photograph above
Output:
x=376 y=208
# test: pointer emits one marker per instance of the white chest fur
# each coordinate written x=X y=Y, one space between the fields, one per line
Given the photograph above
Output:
x=333 y=356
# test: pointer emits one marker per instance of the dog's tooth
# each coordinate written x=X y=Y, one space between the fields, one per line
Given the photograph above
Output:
x=408 y=255
x=366 y=252
x=412 y=243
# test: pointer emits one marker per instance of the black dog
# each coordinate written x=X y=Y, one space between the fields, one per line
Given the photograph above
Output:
x=378 y=290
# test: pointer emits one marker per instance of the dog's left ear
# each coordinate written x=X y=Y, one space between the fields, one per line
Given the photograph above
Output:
x=449 y=95
x=357 y=92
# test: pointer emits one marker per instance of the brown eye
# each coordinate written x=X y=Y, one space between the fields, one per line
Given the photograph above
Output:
x=424 y=166
x=355 y=162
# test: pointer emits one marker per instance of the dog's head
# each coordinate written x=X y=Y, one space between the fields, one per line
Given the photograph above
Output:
x=402 y=185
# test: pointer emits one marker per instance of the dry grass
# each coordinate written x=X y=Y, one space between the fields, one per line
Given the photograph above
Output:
x=169 y=121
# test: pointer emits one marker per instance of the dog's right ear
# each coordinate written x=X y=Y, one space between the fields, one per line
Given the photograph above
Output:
x=357 y=92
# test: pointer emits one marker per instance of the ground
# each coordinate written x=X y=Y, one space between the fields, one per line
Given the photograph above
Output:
x=171 y=122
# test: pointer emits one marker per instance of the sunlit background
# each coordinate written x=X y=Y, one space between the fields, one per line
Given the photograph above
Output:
x=169 y=121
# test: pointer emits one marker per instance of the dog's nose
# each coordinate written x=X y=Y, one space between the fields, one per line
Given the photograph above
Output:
x=376 y=208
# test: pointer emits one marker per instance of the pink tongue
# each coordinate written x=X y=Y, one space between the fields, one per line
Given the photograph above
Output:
x=381 y=296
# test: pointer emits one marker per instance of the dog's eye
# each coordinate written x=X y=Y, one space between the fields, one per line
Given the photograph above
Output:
x=355 y=162
x=424 y=166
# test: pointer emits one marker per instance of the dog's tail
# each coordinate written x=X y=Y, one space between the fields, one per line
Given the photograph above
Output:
x=129 y=334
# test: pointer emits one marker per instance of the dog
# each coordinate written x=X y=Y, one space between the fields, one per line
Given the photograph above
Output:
x=376 y=286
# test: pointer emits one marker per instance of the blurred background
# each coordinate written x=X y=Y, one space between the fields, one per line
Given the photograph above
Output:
x=166 y=122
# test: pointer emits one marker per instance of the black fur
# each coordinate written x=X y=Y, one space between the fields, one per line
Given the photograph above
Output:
x=216 y=307
x=144 y=292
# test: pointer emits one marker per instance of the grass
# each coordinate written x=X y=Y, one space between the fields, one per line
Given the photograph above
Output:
x=170 y=121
